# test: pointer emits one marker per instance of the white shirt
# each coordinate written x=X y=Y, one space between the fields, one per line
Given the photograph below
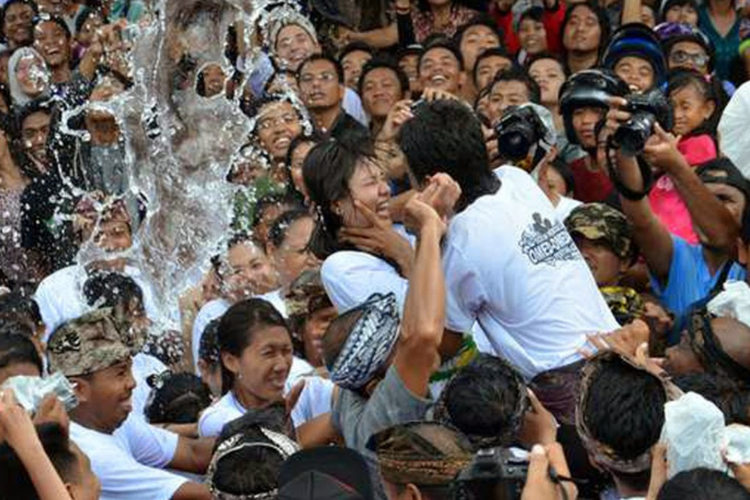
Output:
x=144 y=365
x=276 y=301
x=565 y=206
x=512 y=266
x=733 y=133
x=60 y=296
x=121 y=475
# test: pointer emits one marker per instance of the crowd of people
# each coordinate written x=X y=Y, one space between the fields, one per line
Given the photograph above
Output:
x=478 y=249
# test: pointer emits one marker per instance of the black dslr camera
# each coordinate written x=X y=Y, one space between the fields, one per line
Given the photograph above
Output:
x=494 y=474
x=647 y=109
x=517 y=131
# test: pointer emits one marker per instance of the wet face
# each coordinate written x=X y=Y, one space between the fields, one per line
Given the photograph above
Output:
x=278 y=125
x=691 y=109
x=263 y=367
x=582 y=33
x=51 y=41
x=503 y=95
x=680 y=359
x=688 y=55
x=107 y=396
x=637 y=73
x=248 y=271
x=18 y=25
x=295 y=169
x=35 y=132
x=549 y=75
x=605 y=265
x=410 y=65
x=113 y=236
x=85 y=35
x=683 y=14
x=353 y=63
x=16 y=369
x=320 y=87
x=312 y=334
x=369 y=186
x=214 y=80
x=32 y=75
x=86 y=485
x=476 y=40
x=532 y=36
x=294 y=45
x=381 y=90
x=439 y=69
x=584 y=125
x=293 y=256
x=488 y=67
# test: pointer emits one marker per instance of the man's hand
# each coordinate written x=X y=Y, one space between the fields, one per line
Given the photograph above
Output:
x=418 y=215
x=661 y=150
x=16 y=426
x=658 y=470
x=539 y=484
x=493 y=149
x=539 y=425
x=442 y=193
x=399 y=114
x=51 y=410
x=432 y=94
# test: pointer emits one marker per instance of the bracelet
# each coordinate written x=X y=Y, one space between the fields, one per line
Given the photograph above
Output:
x=403 y=10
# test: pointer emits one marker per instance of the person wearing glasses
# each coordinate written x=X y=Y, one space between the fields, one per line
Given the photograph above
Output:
x=321 y=84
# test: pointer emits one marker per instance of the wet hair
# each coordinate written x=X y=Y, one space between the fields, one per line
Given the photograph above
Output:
x=702 y=483
x=18 y=307
x=327 y=170
x=17 y=348
x=299 y=141
x=177 y=398
x=248 y=471
x=710 y=90
x=491 y=52
x=111 y=289
x=446 y=136
x=57 y=20
x=442 y=43
x=253 y=106
x=624 y=410
x=323 y=57
x=84 y=16
x=273 y=418
x=387 y=63
x=601 y=16
x=237 y=330
x=4 y=10
x=270 y=200
x=208 y=351
x=279 y=230
x=517 y=74
x=478 y=20
x=732 y=397
x=13 y=474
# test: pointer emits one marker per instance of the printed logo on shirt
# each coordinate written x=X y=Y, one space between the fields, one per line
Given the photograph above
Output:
x=548 y=242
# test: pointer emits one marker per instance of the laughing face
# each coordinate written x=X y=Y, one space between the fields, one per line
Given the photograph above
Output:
x=17 y=24
x=369 y=186
x=439 y=69
x=107 y=396
x=51 y=41
x=278 y=125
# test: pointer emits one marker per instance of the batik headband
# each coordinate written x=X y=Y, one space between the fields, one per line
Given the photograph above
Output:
x=708 y=348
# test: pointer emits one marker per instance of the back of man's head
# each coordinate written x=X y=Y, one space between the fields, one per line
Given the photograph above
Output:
x=700 y=484
x=446 y=136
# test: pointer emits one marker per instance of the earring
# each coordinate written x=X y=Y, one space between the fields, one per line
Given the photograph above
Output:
x=239 y=376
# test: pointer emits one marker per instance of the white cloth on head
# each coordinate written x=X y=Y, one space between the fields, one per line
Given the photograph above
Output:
x=732 y=302
x=209 y=312
x=733 y=134
x=144 y=365
x=510 y=264
x=18 y=96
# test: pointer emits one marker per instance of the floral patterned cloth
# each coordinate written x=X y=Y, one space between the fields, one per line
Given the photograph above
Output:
x=424 y=22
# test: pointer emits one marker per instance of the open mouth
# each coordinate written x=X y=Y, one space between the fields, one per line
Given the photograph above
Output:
x=282 y=142
x=438 y=80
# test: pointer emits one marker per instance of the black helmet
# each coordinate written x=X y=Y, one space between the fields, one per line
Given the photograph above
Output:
x=588 y=88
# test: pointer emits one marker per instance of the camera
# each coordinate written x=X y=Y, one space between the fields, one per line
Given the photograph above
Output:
x=647 y=110
x=518 y=130
x=494 y=474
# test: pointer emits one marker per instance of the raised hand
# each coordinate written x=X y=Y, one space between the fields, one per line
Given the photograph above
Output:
x=442 y=193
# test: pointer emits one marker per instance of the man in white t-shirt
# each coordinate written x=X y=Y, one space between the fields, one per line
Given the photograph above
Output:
x=509 y=263
x=127 y=459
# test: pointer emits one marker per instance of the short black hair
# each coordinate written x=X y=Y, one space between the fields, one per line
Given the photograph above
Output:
x=478 y=20
x=545 y=55
x=410 y=50
x=702 y=483
x=7 y=6
x=248 y=471
x=518 y=74
x=491 y=52
x=41 y=105
x=355 y=47
x=20 y=308
x=16 y=346
x=442 y=43
x=176 y=398
x=208 y=351
x=111 y=289
x=278 y=232
x=54 y=19
x=387 y=63
x=323 y=57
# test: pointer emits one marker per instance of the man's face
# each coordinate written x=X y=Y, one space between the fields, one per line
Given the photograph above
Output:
x=353 y=63
x=53 y=7
x=503 y=95
x=17 y=25
x=113 y=236
x=35 y=132
x=312 y=334
x=584 y=125
x=381 y=89
x=278 y=125
x=488 y=68
x=293 y=256
x=476 y=40
x=294 y=45
x=681 y=359
x=439 y=69
x=320 y=87
x=51 y=41
x=688 y=55
x=605 y=265
x=107 y=395
x=582 y=33
x=636 y=72
x=87 y=485
x=410 y=65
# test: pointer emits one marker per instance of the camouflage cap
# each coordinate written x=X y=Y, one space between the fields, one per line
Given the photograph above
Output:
x=304 y=292
x=88 y=344
x=597 y=221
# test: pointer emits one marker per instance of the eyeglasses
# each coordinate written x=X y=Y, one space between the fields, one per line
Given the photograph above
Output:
x=327 y=77
x=269 y=123
x=682 y=57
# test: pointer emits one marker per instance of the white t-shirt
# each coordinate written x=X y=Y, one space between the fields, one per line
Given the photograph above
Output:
x=60 y=296
x=149 y=445
x=121 y=475
x=144 y=365
x=276 y=301
x=565 y=206
x=512 y=266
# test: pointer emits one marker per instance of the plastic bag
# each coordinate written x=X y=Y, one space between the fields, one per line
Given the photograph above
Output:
x=30 y=391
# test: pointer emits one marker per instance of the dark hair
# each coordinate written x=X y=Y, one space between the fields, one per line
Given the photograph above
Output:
x=327 y=170
x=562 y=168
x=442 y=43
x=4 y=10
x=446 y=136
x=176 y=398
x=323 y=57
x=710 y=90
x=252 y=107
x=518 y=74
x=20 y=308
x=248 y=471
x=601 y=16
x=410 y=50
x=270 y=200
x=387 y=63
x=424 y=5
x=299 y=141
x=84 y=16
x=111 y=289
x=54 y=19
x=701 y=483
x=534 y=14
x=491 y=52
x=545 y=55
x=624 y=410
x=354 y=47
x=237 y=330
x=16 y=346
x=732 y=397
x=279 y=229
x=208 y=351
x=273 y=417
x=745 y=230
x=41 y=105
x=15 y=478
x=478 y=20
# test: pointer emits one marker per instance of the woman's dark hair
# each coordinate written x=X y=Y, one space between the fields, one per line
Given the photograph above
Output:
x=237 y=330
x=16 y=346
x=84 y=16
x=248 y=471
x=57 y=20
x=700 y=484
x=711 y=90
x=601 y=15
x=279 y=229
x=299 y=141
x=4 y=10
x=177 y=398
x=562 y=168
x=111 y=289
x=208 y=351
x=327 y=170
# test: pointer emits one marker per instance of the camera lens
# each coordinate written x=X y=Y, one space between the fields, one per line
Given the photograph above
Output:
x=632 y=136
x=514 y=145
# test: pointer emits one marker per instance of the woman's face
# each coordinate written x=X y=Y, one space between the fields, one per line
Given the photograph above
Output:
x=85 y=36
x=278 y=125
x=369 y=186
x=295 y=169
x=583 y=32
x=556 y=182
x=691 y=109
x=636 y=72
x=683 y=14
x=248 y=272
x=17 y=25
x=32 y=75
x=263 y=367
x=293 y=256
x=532 y=36
x=549 y=75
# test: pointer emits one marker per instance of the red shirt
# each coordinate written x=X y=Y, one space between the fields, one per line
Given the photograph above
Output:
x=591 y=186
x=552 y=20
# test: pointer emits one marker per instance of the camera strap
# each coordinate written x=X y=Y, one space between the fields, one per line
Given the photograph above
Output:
x=626 y=192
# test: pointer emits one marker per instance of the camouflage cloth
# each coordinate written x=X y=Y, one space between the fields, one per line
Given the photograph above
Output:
x=597 y=221
x=305 y=292
x=88 y=344
x=625 y=303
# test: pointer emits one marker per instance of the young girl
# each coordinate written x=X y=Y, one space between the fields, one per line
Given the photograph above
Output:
x=697 y=108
